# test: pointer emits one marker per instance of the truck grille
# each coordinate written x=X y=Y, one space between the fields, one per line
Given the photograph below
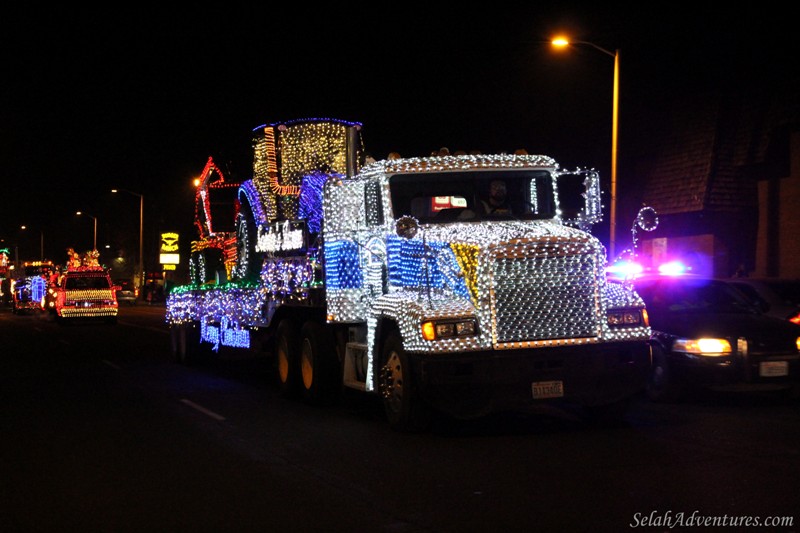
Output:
x=547 y=292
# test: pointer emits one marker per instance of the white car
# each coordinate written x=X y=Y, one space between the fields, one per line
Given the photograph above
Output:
x=86 y=294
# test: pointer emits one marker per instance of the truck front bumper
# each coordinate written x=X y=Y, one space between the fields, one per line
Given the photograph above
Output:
x=477 y=383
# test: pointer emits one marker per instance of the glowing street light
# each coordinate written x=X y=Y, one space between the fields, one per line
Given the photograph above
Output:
x=561 y=42
x=41 y=242
x=141 y=232
x=95 y=227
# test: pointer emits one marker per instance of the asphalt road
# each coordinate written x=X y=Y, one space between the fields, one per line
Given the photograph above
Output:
x=102 y=431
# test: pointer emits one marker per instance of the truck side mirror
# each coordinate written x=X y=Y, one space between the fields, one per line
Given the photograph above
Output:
x=579 y=198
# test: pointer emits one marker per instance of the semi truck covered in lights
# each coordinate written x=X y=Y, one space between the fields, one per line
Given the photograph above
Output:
x=394 y=279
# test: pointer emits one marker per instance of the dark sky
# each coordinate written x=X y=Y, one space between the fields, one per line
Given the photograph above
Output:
x=140 y=98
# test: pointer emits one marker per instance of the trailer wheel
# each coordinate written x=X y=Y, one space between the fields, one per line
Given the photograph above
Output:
x=317 y=352
x=405 y=410
x=287 y=346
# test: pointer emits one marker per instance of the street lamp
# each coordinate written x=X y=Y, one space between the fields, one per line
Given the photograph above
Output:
x=141 y=232
x=561 y=42
x=41 y=242
x=95 y=228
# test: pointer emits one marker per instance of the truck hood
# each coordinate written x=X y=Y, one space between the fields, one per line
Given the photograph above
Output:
x=453 y=257
x=486 y=234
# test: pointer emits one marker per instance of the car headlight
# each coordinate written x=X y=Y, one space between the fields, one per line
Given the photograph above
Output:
x=704 y=346
x=451 y=329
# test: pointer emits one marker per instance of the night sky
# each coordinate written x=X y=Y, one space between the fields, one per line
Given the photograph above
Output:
x=139 y=99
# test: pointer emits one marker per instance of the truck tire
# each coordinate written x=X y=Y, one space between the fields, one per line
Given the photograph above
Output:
x=405 y=409
x=316 y=363
x=287 y=348
x=248 y=261
x=661 y=385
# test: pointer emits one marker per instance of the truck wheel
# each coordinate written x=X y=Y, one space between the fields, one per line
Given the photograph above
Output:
x=405 y=410
x=286 y=357
x=661 y=385
x=316 y=362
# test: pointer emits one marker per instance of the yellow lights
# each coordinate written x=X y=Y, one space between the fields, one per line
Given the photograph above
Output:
x=705 y=346
x=428 y=331
x=302 y=146
x=560 y=42
x=467 y=258
x=797 y=343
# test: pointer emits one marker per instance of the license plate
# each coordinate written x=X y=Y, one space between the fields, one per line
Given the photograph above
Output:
x=771 y=369
x=547 y=389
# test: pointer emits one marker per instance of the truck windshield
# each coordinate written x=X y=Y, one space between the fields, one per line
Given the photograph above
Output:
x=470 y=196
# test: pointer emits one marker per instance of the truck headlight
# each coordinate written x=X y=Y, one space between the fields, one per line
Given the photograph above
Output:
x=432 y=330
x=627 y=317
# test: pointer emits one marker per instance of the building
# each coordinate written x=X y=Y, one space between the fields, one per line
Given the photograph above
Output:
x=723 y=173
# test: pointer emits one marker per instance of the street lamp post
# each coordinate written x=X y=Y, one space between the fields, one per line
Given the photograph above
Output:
x=563 y=42
x=95 y=228
x=141 y=233
x=41 y=242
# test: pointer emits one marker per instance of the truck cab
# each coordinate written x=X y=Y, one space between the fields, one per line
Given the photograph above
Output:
x=463 y=294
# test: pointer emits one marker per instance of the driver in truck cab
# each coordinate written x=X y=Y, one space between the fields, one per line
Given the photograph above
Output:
x=497 y=202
